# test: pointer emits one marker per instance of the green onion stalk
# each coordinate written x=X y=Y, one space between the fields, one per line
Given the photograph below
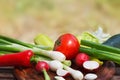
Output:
x=100 y=51
x=8 y=44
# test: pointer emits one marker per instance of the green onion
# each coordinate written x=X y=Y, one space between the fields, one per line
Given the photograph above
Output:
x=101 y=51
x=14 y=45
x=101 y=54
x=100 y=46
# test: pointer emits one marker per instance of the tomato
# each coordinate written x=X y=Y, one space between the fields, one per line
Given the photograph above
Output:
x=68 y=44
x=81 y=58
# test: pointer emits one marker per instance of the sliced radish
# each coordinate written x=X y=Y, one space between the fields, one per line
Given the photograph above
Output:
x=62 y=72
x=59 y=78
x=91 y=65
x=90 y=76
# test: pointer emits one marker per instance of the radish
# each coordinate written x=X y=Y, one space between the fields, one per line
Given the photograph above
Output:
x=55 y=64
x=91 y=65
x=62 y=72
x=90 y=76
x=42 y=66
x=81 y=58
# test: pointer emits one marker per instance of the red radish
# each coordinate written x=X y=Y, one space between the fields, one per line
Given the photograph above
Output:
x=61 y=72
x=81 y=58
x=68 y=44
x=91 y=65
x=42 y=66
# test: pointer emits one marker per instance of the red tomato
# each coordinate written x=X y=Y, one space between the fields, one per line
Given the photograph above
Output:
x=68 y=44
x=81 y=58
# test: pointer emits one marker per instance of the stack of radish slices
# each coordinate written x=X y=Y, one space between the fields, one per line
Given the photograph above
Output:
x=91 y=67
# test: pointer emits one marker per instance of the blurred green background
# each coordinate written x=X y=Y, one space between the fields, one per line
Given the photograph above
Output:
x=23 y=19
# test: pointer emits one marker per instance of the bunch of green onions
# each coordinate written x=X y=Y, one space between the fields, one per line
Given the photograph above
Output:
x=100 y=51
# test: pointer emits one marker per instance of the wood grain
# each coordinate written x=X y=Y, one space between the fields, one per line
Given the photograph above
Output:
x=31 y=74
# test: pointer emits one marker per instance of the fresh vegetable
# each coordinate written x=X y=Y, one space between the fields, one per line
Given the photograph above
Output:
x=44 y=40
x=42 y=66
x=113 y=41
x=100 y=51
x=81 y=58
x=76 y=74
x=100 y=35
x=55 y=64
x=13 y=45
x=67 y=62
x=97 y=36
x=61 y=72
x=22 y=59
x=100 y=46
x=103 y=55
x=68 y=45
x=87 y=36
x=48 y=60
x=90 y=76
x=91 y=65
x=97 y=60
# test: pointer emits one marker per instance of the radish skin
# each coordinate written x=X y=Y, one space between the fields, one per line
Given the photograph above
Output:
x=42 y=66
x=81 y=58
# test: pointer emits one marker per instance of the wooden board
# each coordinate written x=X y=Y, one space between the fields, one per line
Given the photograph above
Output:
x=31 y=74
x=104 y=73
x=11 y=73
x=7 y=73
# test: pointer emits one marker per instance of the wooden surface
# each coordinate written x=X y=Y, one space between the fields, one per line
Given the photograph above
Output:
x=10 y=73
x=7 y=73
x=31 y=74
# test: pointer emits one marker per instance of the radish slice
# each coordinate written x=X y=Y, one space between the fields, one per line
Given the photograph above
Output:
x=90 y=65
x=62 y=72
x=90 y=76
x=59 y=78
